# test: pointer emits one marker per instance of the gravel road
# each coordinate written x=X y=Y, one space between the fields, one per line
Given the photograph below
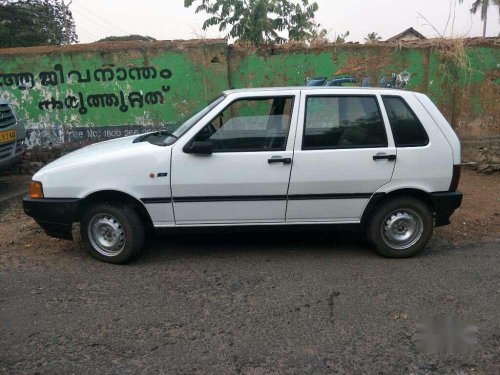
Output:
x=291 y=303
x=250 y=303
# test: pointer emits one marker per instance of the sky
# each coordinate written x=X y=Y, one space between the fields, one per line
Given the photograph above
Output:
x=168 y=19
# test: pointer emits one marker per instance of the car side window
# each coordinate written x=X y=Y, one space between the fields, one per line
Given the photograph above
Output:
x=252 y=124
x=336 y=122
x=407 y=129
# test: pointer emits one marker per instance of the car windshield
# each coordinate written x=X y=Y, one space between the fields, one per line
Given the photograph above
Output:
x=177 y=130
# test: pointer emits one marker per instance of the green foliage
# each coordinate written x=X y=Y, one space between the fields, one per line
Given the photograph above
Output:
x=319 y=37
x=373 y=38
x=342 y=37
x=260 y=21
x=300 y=22
x=27 y=23
x=126 y=38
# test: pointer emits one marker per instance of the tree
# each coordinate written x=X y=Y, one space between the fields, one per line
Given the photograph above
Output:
x=260 y=21
x=373 y=38
x=342 y=37
x=484 y=5
x=300 y=20
x=27 y=23
x=319 y=37
x=126 y=38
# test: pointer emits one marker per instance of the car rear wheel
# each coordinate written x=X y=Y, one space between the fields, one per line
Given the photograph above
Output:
x=112 y=233
x=401 y=227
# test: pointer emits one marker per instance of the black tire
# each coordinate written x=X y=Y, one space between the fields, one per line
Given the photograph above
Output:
x=123 y=221
x=393 y=218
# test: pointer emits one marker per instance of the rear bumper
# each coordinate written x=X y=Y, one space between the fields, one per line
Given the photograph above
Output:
x=445 y=205
x=55 y=216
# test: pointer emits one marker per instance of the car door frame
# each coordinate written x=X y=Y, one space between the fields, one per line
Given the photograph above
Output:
x=340 y=92
x=356 y=202
x=192 y=133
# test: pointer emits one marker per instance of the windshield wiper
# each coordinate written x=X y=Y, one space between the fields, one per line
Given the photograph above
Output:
x=164 y=132
x=158 y=133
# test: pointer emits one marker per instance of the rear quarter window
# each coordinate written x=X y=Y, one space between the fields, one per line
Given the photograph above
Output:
x=407 y=129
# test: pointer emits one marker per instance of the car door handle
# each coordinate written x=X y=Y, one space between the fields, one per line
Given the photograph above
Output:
x=384 y=157
x=280 y=160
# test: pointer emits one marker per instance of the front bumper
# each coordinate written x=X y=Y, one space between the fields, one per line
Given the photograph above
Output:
x=55 y=216
x=445 y=205
x=18 y=150
x=11 y=161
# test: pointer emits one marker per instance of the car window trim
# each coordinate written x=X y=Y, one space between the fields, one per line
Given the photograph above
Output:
x=222 y=96
x=382 y=145
x=267 y=97
x=414 y=115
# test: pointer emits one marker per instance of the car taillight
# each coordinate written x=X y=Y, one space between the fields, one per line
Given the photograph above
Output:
x=456 y=178
x=36 y=190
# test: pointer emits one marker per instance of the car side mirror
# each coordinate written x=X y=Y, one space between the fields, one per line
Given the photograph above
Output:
x=199 y=148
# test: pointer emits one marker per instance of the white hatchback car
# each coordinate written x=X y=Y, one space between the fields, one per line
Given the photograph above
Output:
x=384 y=160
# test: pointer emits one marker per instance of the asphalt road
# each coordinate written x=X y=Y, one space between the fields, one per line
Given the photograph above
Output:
x=290 y=303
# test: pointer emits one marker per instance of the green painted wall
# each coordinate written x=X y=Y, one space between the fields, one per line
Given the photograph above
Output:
x=83 y=94
x=134 y=86
x=279 y=67
x=469 y=95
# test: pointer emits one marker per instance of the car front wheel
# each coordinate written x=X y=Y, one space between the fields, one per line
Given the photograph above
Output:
x=401 y=227
x=112 y=233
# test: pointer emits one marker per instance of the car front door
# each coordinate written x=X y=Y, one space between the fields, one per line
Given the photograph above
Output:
x=344 y=152
x=244 y=177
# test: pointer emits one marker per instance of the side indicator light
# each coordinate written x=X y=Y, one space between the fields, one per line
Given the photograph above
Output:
x=36 y=190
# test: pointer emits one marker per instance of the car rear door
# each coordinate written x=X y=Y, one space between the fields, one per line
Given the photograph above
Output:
x=344 y=152
x=245 y=180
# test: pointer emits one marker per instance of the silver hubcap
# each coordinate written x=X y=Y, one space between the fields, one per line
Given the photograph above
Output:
x=106 y=235
x=402 y=229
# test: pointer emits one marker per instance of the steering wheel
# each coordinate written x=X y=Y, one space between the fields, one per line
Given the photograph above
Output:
x=212 y=130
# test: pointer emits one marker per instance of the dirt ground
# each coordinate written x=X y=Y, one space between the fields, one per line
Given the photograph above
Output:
x=13 y=185
x=478 y=219
x=274 y=303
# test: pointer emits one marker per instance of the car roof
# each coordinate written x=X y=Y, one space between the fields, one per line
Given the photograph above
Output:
x=307 y=88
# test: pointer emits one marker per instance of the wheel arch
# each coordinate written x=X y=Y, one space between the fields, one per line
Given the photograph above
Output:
x=380 y=198
x=113 y=196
